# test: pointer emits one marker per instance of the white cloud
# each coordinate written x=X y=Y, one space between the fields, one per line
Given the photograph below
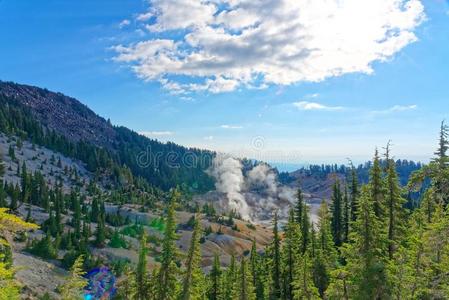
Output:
x=124 y=23
x=396 y=108
x=225 y=44
x=403 y=107
x=226 y=126
x=155 y=134
x=306 y=105
x=209 y=138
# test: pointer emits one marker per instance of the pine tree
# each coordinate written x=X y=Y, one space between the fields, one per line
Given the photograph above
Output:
x=100 y=234
x=291 y=249
x=230 y=281
x=246 y=288
x=346 y=218
x=141 y=276
x=337 y=216
x=193 y=282
x=305 y=229
x=73 y=287
x=354 y=193
x=395 y=212
x=167 y=287
x=299 y=206
x=275 y=292
x=441 y=170
x=303 y=285
x=376 y=186
x=363 y=254
x=215 y=279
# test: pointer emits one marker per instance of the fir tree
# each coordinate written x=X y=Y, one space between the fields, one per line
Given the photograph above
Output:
x=291 y=249
x=299 y=206
x=167 y=278
x=394 y=210
x=275 y=292
x=215 y=279
x=354 y=193
x=141 y=276
x=73 y=287
x=246 y=288
x=337 y=216
x=193 y=282
x=376 y=186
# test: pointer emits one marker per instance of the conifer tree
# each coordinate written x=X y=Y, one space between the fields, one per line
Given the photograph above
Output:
x=376 y=186
x=275 y=292
x=303 y=285
x=230 y=281
x=246 y=288
x=299 y=206
x=291 y=250
x=337 y=216
x=363 y=254
x=305 y=229
x=73 y=287
x=167 y=287
x=354 y=193
x=215 y=279
x=346 y=218
x=394 y=208
x=194 y=282
x=141 y=275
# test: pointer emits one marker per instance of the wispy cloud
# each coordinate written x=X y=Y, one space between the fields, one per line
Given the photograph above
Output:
x=209 y=138
x=155 y=134
x=306 y=105
x=227 y=126
x=396 y=108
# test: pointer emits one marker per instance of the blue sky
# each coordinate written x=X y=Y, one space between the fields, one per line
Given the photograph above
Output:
x=341 y=102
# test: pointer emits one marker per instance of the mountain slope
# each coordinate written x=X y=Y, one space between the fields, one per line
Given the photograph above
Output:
x=64 y=124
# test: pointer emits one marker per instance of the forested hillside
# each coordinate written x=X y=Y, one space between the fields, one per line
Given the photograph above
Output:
x=64 y=124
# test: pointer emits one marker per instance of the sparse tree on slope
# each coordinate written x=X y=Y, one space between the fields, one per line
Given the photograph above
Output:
x=73 y=288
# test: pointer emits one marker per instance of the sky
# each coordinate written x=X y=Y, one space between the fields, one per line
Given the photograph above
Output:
x=284 y=81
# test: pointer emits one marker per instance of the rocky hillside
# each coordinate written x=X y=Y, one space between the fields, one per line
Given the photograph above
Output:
x=65 y=115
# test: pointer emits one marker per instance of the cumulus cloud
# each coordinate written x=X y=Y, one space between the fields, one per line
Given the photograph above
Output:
x=153 y=134
x=306 y=105
x=221 y=45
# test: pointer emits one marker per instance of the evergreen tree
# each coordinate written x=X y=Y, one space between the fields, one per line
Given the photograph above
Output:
x=246 y=288
x=303 y=285
x=230 y=281
x=346 y=218
x=394 y=208
x=193 y=282
x=376 y=186
x=337 y=216
x=215 y=278
x=141 y=275
x=167 y=278
x=364 y=257
x=100 y=235
x=73 y=287
x=291 y=249
x=305 y=229
x=275 y=292
x=299 y=206
x=354 y=193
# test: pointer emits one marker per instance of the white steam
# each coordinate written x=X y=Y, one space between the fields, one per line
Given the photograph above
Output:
x=227 y=172
x=255 y=196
